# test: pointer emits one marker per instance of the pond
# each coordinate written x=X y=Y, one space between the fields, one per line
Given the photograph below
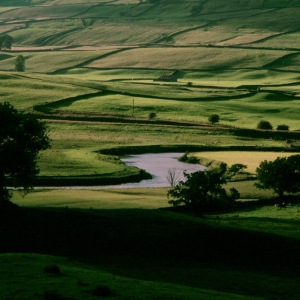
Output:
x=158 y=165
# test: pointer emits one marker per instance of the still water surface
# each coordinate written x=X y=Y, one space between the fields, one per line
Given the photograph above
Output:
x=158 y=165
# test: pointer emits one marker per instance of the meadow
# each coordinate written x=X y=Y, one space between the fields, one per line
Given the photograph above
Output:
x=92 y=74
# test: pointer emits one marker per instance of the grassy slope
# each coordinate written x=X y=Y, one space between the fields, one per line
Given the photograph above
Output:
x=78 y=281
x=158 y=246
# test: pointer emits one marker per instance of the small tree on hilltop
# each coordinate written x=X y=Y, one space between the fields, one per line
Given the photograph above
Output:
x=203 y=191
x=264 y=125
x=214 y=118
x=21 y=139
x=20 y=63
x=281 y=175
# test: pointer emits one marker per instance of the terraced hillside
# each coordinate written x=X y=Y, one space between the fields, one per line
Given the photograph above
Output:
x=102 y=61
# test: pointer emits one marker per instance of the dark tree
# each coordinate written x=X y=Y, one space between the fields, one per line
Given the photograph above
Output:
x=203 y=190
x=283 y=127
x=214 y=118
x=5 y=41
x=20 y=63
x=21 y=138
x=152 y=116
x=281 y=175
x=264 y=125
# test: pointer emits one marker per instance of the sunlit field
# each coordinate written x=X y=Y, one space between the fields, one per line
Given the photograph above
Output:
x=250 y=159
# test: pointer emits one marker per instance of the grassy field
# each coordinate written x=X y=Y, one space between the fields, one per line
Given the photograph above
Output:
x=78 y=281
x=94 y=84
x=250 y=159
x=189 y=58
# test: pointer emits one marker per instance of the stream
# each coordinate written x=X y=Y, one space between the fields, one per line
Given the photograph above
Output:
x=158 y=165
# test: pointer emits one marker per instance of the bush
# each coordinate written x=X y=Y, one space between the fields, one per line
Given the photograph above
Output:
x=188 y=159
x=214 y=118
x=52 y=269
x=282 y=127
x=264 y=125
x=152 y=116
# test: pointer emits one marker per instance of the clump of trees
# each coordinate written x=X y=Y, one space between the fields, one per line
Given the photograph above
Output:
x=282 y=127
x=214 y=118
x=264 y=125
x=281 y=175
x=5 y=41
x=20 y=63
x=203 y=191
x=22 y=137
x=190 y=159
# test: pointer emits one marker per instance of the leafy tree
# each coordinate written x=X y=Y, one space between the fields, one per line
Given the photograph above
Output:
x=203 y=190
x=264 y=125
x=214 y=118
x=21 y=138
x=152 y=116
x=20 y=63
x=5 y=41
x=282 y=127
x=281 y=175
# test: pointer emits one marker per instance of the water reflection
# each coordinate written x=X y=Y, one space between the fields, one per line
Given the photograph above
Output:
x=158 y=165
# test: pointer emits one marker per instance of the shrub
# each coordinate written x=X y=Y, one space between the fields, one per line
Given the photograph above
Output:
x=152 y=116
x=188 y=159
x=282 y=127
x=264 y=125
x=52 y=269
x=214 y=118
x=102 y=291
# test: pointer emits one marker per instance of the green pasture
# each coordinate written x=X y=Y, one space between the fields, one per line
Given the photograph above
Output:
x=117 y=32
x=41 y=12
x=243 y=112
x=25 y=92
x=189 y=58
x=48 y=32
x=112 y=74
x=218 y=35
x=239 y=78
x=142 y=106
x=263 y=19
x=79 y=162
x=263 y=218
x=51 y=61
x=74 y=145
x=288 y=62
x=117 y=198
x=77 y=281
x=250 y=159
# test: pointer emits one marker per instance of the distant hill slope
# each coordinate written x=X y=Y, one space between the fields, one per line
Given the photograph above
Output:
x=143 y=22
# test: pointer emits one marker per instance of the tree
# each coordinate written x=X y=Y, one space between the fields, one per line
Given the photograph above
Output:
x=281 y=175
x=5 y=41
x=20 y=63
x=173 y=176
x=152 y=116
x=264 y=125
x=282 y=127
x=21 y=138
x=203 y=191
x=214 y=118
